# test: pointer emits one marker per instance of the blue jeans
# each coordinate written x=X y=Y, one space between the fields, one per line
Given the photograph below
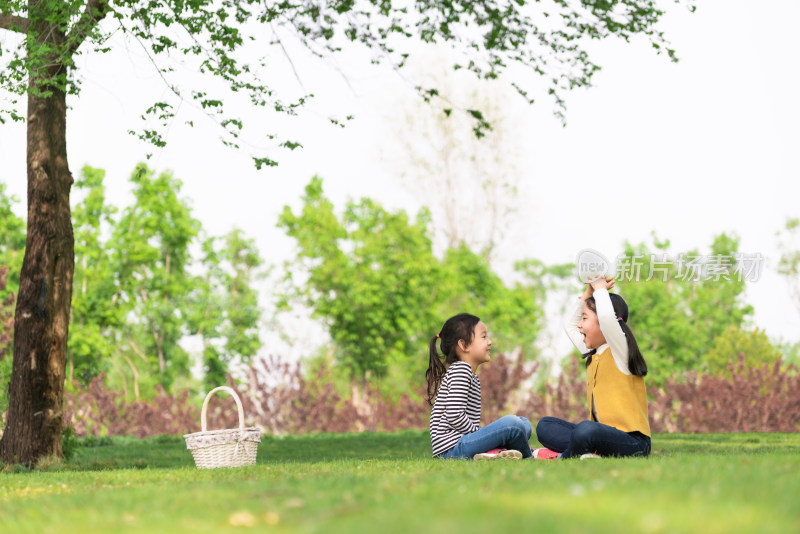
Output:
x=508 y=432
x=572 y=439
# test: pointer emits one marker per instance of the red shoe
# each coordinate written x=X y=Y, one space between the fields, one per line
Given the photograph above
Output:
x=544 y=454
x=498 y=454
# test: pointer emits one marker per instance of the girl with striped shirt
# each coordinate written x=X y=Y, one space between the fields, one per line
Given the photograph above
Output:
x=455 y=418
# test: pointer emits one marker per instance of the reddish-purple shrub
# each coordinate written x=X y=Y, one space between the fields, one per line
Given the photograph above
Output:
x=99 y=411
x=752 y=399
x=501 y=383
x=281 y=400
x=563 y=397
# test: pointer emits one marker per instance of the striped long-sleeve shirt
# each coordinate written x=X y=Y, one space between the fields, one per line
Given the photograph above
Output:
x=457 y=408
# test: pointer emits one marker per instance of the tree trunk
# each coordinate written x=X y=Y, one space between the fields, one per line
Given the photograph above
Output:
x=135 y=373
x=34 y=424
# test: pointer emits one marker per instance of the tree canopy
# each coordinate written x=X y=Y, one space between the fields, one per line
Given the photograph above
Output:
x=230 y=44
x=680 y=305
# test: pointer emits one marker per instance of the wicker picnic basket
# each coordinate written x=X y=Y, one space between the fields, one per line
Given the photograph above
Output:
x=232 y=447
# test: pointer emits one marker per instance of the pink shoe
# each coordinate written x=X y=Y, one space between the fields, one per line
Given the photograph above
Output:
x=544 y=454
x=498 y=454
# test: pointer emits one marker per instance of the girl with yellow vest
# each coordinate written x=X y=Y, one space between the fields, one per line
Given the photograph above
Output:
x=616 y=398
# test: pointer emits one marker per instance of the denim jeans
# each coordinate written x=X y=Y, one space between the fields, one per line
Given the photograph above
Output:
x=572 y=439
x=508 y=432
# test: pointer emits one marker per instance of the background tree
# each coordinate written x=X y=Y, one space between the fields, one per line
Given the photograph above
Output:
x=679 y=305
x=372 y=277
x=12 y=249
x=789 y=268
x=472 y=198
x=6 y=334
x=152 y=240
x=96 y=313
x=789 y=263
x=225 y=309
x=40 y=66
x=120 y=272
x=12 y=238
x=753 y=344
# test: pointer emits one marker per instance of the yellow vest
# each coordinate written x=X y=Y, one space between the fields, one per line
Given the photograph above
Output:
x=620 y=400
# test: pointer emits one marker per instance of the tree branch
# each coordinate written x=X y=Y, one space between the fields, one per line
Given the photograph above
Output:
x=94 y=12
x=14 y=23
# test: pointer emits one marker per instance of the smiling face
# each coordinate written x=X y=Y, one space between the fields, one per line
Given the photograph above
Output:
x=478 y=351
x=589 y=326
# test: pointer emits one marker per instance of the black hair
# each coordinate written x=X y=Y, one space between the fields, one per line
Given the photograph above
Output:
x=636 y=364
x=460 y=327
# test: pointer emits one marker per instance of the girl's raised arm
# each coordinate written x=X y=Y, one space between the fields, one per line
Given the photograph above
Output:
x=571 y=321
x=611 y=329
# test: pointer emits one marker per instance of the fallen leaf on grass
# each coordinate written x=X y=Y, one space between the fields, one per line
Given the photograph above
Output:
x=242 y=519
x=294 y=503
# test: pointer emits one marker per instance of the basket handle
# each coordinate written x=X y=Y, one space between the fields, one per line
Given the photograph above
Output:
x=204 y=425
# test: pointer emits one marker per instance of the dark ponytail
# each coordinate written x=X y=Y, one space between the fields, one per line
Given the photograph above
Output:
x=458 y=328
x=636 y=364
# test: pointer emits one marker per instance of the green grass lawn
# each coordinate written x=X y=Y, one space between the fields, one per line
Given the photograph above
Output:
x=387 y=483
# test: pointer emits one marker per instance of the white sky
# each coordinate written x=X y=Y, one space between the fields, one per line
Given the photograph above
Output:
x=687 y=150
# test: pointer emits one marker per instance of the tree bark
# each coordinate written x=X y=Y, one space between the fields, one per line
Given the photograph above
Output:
x=34 y=424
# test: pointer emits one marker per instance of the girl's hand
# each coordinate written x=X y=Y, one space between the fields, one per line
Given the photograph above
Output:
x=602 y=282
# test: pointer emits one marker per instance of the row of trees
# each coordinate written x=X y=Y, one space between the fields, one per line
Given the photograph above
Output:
x=373 y=278
x=145 y=278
